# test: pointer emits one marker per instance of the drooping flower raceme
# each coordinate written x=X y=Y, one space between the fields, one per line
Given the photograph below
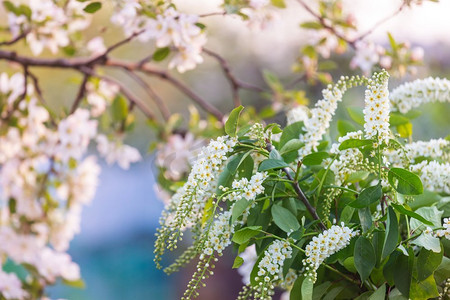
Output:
x=435 y=176
x=377 y=108
x=323 y=111
x=324 y=245
x=187 y=204
x=270 y=266
x=434 y=149
x=413 y=94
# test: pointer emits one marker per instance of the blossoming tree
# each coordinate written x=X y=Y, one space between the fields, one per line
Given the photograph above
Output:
x=365 y=216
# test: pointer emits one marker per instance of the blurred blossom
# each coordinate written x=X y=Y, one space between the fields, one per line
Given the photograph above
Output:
x=366 y=56
x=96 y=46
x=260 y=13
x=177 y=154
x=249 y=256
x=297 y=114
x=116 y=151
x=417 y=54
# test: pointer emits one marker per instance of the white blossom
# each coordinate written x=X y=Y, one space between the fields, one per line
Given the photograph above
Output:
x=413 y=94
x=115 y=151
x=435 y=176
x=377 y=108
x=11 y=286
x=446 y=231
x=297 y=114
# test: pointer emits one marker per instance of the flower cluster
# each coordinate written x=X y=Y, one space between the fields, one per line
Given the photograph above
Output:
x=324 y=245
x=434 y=175
x=248 y=189
x=434 y=149
x=45 y=180
x=100 y=95
x=413 y=94
x=322 y=113
x=177 y=154
x=50 y=24
x=446 y=231
x=219 y=236
x=187 y=204
x=297 y=114
x=270 y=266
x=258 y=133
x=260 y=14
x=170 y=28
x=377 y=108
x=116 y=151
x=11 y=286
x=347 y=160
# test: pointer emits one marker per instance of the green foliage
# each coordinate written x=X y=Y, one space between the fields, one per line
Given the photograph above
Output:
x=232 y=122
x=161 y=53
x=405 y=182
x=93 y=7
x=284 y=219
x=364 y=257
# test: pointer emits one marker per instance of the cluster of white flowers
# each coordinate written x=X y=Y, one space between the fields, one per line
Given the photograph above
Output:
x=219 y=236
x=322 y=113
x=115 y=151
x=170 y=28
x=248 y=189
x=11 y=286
x=347 y=160
x=435 y=176
x=366 y=56
x=177 y=155
x=297 y=114
x=45 y=180
x=377 y=108
x=270 y=266
x=50 y=24
x=100 y=95
x=413 y=94
x=446 y=231
x=434 y=149
x=260 y=13
x=187 y=204
x=258 y=134
x=324 y=245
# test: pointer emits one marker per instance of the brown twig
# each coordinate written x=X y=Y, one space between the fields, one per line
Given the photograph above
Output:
x=16 y=39
x=300 y=194
x=80 y=94
x=218 y=13
x=158 y=101
x=145 y=110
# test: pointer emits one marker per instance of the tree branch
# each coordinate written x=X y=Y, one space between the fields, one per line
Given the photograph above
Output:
x=300 y=193
x=16 y=39
x=80 y=94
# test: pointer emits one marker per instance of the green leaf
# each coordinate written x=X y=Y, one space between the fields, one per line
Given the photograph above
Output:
x=278 y=3
x=405 y=130
x=284 y=219
x=119 y=109
x=238 y=261
x=428 y=241
x=232 y=122
x=238 y=209
x=425 y=289
x=443 y=271
x=321 y=290
x=364 y=256
x=379 y=294
x=356 y=114
x=311 y=25
x=427 y=262
x=365 y=218
x=272 y=164
x=403 y=273
x=391 y=237
x=397 y=119
x=289 y=151
x=92 y=7
x=411 y=214
x=307 y=289
x=357 y=176
x=161 y=53
x=291 y=132
x=349 y=264
x=347 y=214
x=354 y=143
x=405 y=182
x=225 y=179
x=79 y=284
x=345 y=127
x=244 y=234
x=315 y=158
x=368 y=196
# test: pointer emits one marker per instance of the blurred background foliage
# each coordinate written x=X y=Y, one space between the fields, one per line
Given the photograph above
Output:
x=114 y=249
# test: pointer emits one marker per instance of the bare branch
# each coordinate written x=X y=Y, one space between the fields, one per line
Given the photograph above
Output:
x=147 y=112
x=158 y=101
x=218 y=13
x=80 y=94
x=16 y=39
